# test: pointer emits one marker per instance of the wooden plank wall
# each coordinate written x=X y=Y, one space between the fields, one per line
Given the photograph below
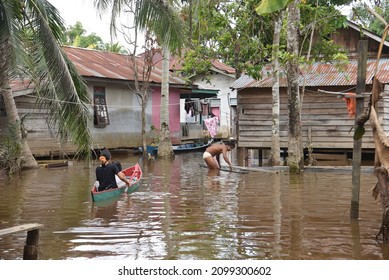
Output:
x=325 y=120
x=42 y=141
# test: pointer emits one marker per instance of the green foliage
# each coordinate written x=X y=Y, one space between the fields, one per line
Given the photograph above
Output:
x=34 y=32
x=362 y=15
x=11 y=150
x=76 y=36
x=196 y=62
x=328 y=20
x=234 y=33
x=115 y=48
x=270 y=6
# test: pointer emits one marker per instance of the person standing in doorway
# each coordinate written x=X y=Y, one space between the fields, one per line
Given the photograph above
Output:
x=212 y=154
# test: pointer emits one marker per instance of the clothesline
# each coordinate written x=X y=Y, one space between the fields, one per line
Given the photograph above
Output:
x=346 y=94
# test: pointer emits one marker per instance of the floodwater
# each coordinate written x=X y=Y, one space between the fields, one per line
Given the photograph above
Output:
x=182 y=211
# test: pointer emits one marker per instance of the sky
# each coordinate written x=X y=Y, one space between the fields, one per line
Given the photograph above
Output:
x=84 y=11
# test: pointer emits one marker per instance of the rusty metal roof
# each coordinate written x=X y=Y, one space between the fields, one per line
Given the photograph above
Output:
x=321 y=74
x=223 y=67
x=175 y=63
x=102 y=64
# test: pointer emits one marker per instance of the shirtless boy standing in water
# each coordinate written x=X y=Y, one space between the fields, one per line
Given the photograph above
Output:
x=212 y=154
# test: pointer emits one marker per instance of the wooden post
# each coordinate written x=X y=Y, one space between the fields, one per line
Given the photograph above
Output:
x=31 y=247
x=242 y=155
x=357 y=149
x=260 y=157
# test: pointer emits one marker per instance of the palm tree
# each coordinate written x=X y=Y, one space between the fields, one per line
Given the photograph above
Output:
x=275 y=135
x=29 y=34
x=160 y=17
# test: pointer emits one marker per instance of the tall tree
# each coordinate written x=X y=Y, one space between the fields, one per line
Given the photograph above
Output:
x=161 y=18
x=142 y=65
x=295 y=147
x=295 y=47
x=29 y=34
x=275 y=135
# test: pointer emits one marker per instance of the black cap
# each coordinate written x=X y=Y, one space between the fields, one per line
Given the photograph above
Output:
x=105 y=153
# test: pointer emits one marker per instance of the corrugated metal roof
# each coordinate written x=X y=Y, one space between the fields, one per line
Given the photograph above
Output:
x=101 y=64
x=175 y=63
x=243 y=81
x=321 y=74
x=223 y=67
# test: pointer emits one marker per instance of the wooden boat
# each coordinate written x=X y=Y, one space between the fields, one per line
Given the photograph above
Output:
x=191 y=147
x=188 y=147
x=133 y=174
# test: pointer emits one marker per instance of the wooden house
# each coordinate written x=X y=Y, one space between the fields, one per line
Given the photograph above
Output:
x=326 y=115
x=114 y=105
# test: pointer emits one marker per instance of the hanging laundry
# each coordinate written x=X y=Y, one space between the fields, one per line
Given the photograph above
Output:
x=204 y=109
x=211 y=125
x=189 y=104
x=197 y=106
x=351 y=103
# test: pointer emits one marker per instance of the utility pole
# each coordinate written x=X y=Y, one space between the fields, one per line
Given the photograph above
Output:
x=357 y=149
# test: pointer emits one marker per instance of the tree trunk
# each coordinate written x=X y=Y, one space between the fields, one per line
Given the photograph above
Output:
x=381 y=193
x=13 y=117
x=295 y=148
x=144 y=140
x=28 y=160
x=165 y=148
x=275 y=135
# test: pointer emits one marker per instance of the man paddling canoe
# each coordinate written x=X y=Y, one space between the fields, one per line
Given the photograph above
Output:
x=105 y=173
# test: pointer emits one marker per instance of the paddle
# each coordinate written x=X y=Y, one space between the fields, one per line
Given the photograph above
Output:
x=233 y=170
x=131 y=178
x=227 y=169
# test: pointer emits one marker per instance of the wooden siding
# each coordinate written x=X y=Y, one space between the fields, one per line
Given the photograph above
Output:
x=325 y=120
x=41 y=140
x=349 y=38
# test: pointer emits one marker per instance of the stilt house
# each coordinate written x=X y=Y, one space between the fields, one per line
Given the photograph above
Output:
x=327 y=98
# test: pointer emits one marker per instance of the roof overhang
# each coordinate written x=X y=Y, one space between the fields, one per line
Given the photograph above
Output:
x=199 y=93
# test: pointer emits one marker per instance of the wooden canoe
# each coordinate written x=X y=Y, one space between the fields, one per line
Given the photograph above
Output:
x=133 y=173
x=180 y=148
x=191 y=147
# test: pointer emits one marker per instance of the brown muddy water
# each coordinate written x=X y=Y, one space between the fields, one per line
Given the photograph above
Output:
x=181 y=211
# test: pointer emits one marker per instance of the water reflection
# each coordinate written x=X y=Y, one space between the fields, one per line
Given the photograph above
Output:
x=184 y=211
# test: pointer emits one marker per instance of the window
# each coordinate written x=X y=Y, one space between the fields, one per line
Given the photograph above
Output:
x=233 y=101
x=100 y=107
